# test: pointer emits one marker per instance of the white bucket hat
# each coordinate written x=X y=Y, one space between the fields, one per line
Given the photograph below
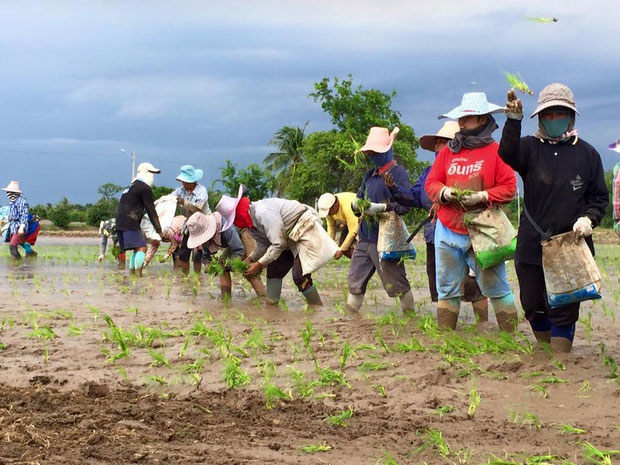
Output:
x=227 y=207
x=473 y=104
x=13 y=187
x=447 y=131
x=326 y=201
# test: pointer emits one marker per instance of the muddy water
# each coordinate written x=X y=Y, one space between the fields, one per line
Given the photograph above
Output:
x=67 y=395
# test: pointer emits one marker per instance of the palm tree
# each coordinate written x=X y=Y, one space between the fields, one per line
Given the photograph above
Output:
x=289 y=142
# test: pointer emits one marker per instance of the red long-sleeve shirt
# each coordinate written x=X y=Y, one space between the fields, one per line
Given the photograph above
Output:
x=479 y=169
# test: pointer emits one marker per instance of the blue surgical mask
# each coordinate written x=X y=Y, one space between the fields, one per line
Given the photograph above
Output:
x=380 y=159
x=555 y=128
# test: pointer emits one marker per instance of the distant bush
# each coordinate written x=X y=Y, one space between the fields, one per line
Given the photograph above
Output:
x=60 y=214
x=102 y=210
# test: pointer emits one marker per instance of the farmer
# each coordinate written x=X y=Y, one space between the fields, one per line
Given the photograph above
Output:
x=418 y=198
x=269 y=221
x=107 y=230
x=336 y=208
x=135 y=201
x=192 y=197
x=213 y=233
x=469 y=162
x=172 y=234
x=23 y=227
x=616 y=198
x=564 y=190
x=365 y=259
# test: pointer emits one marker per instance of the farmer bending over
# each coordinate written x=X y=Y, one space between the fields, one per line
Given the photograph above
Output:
x=469 y=162
x=336 y=208
x=107 y=230
x=564 y=190
x=23 y=228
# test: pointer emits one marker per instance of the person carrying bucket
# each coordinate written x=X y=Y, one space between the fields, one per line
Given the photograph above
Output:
x=336 y=209
x=365 y=260
x=468 y=175
x=135 y=201
x=564 y=190
x=418 y=198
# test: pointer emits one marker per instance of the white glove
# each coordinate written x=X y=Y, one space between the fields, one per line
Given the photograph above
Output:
x=583 y=226
x=376 y=208
x=100 y=258
x=447 y=195
x=21 y=230
x=475 y=198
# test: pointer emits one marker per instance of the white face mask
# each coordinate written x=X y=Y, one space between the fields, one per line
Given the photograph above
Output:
x=146 y=177
x=12 y=196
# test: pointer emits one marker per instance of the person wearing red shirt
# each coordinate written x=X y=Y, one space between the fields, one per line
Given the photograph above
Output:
x=470 y=161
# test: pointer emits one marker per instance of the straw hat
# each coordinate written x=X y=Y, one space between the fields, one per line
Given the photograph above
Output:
x=201 y=228
x=379 y=140
x=227 y=207
x=447 y=131
x=326 y=201
x=190 y=174
x=13 y=187
x=555 y=95
x=472 y=104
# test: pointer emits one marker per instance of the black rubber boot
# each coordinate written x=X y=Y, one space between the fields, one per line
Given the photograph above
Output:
x=14 y=252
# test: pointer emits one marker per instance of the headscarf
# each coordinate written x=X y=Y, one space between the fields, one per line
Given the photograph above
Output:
x=382 y=159
x=541 y=133
x=242 y=214
x=473 y=138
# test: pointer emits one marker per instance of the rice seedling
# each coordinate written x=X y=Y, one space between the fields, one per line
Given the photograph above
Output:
x=115 y=335
x=237 y=265
x=159 y=359
x=347 y=351
x=474 y=403
x=256 y=341
x=314 y=448
x=273 y=393
x=586 y=321
x=74 y=330
x=365 y=367
x=570 y=429
x=596 y=456
x=339 y=419
x=551 y=379
x=194 y=367
x=328 y=377
x=234 y=375
x=161 y=380
x=380 y=389
x=541 y=389
x=303 y=388
x=609 y=362
x=585 y=386
x=444 y=410
x=95 y=311
x=184 y=347
x=306 y=337
x=413 y=345
x=433 y=439
x=516 y=81
x=387 y=459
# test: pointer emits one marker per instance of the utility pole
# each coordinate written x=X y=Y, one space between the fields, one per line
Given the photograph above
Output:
x=133 y=162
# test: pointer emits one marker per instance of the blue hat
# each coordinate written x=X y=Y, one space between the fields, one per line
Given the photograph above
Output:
x=473 y=103
x=189 y=174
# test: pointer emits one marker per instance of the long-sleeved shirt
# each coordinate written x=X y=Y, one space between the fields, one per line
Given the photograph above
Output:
x=616 y=197
x=477 y=169
x=561 y=183
x=107 y=229
x=172 y=234
x=194 y=201
x=417 y=198
x=272 y=220
x=135 y=200
x=228 y=239
x=375 y=189
x=344 y=215
x=18 y=215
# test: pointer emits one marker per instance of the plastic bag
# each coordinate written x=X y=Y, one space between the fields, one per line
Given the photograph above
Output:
x=571 y=274
x=493 y=237
x=314 y=246
x=392 y=243
x=165 y=206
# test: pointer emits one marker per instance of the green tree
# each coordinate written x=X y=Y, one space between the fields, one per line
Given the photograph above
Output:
x=259 y=183
x=283 y=163
x=109 y=190
x=160 y=191
x=60 y=214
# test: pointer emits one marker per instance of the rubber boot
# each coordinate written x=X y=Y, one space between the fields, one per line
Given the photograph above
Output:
x=312 y=297
x=481 y=310
x=506 y=312
x=257 y=285
x=407 y=303
x=273 y=290
x=561 y=345
x=354 y=303
x=448 y=312
x=226 y=285
x=542 y=336
x=14 y=252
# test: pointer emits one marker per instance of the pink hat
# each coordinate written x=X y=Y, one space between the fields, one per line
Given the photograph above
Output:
x=227 y=207
x=201 y=228
x=13 y=187
x=379 y=140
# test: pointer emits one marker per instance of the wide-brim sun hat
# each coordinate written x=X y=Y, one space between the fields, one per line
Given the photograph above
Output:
x=201 y=228
x=146 y=167
x=379 y=140
x=326 y=201
x=13 y=187
x=190 y=174
x=447 y=131
x=473 y=104
x=227 y=207
x=555 y=95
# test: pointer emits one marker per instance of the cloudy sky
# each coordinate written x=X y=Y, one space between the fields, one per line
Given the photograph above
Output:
x=200 y=82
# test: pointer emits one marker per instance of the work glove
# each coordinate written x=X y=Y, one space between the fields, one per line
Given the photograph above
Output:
x=376 y=208
x=100 y=257
x=514 y=108
x=475 y=198
x=21 y=230
x=447 y=195
x=583 y=226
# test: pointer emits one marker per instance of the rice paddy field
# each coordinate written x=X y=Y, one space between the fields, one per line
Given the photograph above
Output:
x=99 y=368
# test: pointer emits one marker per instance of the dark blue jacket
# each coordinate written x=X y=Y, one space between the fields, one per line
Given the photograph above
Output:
x=375 y=189
x=418 y=198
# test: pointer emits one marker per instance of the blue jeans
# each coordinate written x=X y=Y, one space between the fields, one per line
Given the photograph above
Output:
x=453 y=256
